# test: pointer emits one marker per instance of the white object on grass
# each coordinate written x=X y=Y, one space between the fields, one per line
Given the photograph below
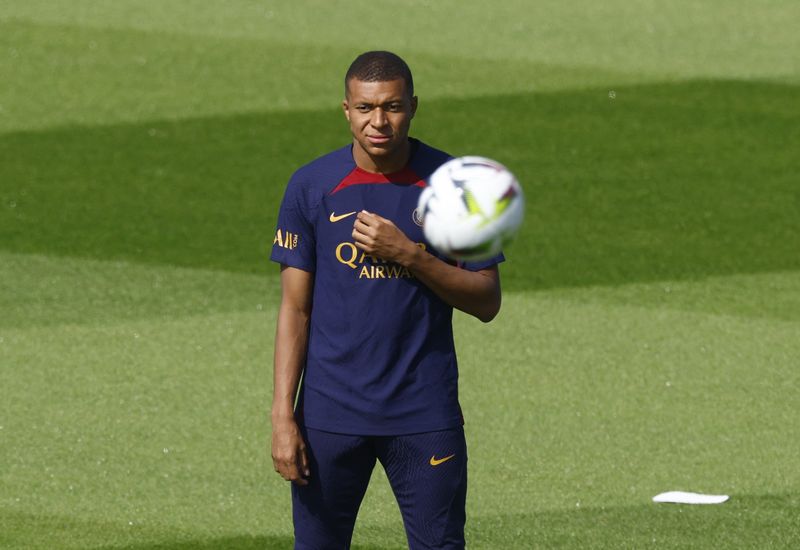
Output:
x=682 y=497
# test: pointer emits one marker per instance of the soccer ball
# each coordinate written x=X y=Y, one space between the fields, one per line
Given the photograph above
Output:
x=471 y=208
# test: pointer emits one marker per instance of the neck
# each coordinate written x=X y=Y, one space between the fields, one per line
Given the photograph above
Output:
x=382 y=164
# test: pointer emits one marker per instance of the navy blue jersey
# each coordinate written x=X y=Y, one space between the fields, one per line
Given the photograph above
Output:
x=381 y=359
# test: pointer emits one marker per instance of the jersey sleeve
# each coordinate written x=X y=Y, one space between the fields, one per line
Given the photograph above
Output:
x=295 y=242
x=482 y=264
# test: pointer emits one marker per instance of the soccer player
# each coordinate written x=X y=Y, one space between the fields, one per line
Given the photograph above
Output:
x=366 y=321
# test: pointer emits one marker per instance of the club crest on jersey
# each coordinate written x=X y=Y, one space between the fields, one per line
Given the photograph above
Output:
x=416 y=215
x=286 y=239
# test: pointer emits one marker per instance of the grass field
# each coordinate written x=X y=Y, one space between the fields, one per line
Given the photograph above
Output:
x=650 y=332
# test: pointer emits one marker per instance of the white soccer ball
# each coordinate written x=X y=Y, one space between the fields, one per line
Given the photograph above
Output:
x=471 y=208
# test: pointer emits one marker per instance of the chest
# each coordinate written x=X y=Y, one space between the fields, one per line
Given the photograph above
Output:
x=337 y=212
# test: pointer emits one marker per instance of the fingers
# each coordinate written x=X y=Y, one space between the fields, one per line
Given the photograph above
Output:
x=371 y=225
x=366 y=217
x=372 y=219
x=363 y=235
x=294 y=469
x=361 y=228
x=378 y=236
x=290 y=458
x=301 y=468
x=304 y=467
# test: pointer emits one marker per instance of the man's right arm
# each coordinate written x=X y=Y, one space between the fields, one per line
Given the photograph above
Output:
x=289 y=455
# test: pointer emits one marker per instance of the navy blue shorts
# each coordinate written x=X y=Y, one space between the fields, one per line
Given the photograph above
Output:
x=427 y=472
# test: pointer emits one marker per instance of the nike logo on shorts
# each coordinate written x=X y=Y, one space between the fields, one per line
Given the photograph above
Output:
x=436 y=461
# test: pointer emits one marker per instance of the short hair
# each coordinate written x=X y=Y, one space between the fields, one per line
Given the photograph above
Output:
x=379 y=66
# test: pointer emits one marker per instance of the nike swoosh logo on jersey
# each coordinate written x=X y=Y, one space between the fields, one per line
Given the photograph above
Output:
x=436 y=461
x=334 y=218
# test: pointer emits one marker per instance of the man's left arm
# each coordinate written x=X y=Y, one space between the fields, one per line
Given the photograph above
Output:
x=473 y=292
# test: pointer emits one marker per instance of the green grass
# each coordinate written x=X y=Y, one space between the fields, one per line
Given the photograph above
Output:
x=161 y=420
x=718 y=38
x=152 y=75
x=661 y=182
x=650 y=326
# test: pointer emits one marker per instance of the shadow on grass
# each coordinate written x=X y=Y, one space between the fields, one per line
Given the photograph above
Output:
x=764 y=521
x=232 y=543
x=46 y=531
x=225 y=543
x=653 y=182
x=42 y=531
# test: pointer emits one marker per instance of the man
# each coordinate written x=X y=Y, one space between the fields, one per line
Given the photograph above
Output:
x=365 y=317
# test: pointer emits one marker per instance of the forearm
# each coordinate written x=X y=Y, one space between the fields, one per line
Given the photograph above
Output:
x=291 y=341
x=474 y=292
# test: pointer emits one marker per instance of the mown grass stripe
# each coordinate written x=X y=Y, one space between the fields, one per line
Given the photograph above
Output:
x=650 y=185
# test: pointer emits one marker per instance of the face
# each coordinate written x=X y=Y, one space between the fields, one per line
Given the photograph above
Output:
x=380 y=115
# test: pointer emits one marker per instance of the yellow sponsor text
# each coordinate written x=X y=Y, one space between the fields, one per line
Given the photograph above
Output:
x=388 y=271
x=369 y=266
x=286 y=239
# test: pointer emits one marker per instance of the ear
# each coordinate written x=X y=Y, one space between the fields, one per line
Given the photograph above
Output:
x=414 y=104
x=346 y=109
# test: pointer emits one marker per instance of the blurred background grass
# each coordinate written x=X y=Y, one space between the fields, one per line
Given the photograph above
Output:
x=659 y=182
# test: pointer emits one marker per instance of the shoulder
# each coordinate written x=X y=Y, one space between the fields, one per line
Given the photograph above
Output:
x=427 y=159
x=325 y=167
x=311 y=181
